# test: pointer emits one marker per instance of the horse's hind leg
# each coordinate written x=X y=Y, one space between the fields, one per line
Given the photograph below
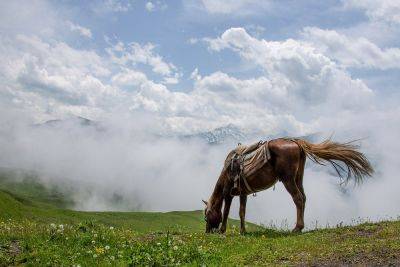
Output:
x=299 y=181
x=297 y=196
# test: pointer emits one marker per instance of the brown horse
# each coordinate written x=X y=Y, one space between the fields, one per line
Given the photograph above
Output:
x=288 y=157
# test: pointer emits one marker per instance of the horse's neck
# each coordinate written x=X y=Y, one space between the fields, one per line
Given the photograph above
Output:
x=217 y=195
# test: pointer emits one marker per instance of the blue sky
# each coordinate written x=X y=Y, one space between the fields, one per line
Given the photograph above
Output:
x=172 y=24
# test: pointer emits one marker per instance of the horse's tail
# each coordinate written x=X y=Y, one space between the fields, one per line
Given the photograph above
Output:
x=358 y=166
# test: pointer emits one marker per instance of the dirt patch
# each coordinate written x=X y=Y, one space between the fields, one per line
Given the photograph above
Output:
x=381 y=257
x=368 y=231
x=14 y=248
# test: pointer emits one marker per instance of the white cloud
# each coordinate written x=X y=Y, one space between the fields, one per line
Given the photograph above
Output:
x=113 y=6
x=255 y=30
x=381 y=25
x=172 y=80
x=79 y=29
x=193 y=41
x=37 y=17
x=298 y=68
x=195 y=75
x=150 y=6
x=377 y=10
x=235 y=7
x=53 y=77
x=298 y=80
x=352 y=52
x=135 y=53
x=129 y=77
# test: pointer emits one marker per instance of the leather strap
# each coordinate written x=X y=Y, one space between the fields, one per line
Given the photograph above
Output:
x=247 y=185
x=268 y=155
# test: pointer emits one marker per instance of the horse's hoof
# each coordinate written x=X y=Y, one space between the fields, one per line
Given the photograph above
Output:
x=297 y=230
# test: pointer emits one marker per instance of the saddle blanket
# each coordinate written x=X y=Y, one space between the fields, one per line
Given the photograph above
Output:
x=248 y=159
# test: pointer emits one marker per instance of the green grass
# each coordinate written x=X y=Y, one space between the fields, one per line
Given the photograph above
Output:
x=34 y=231
x=28 y=187
x=29 y=200
x=18 y=208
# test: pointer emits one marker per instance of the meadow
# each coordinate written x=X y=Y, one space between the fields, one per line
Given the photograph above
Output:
x=36 y=229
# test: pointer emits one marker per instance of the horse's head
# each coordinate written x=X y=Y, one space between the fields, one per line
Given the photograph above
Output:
x=212 y=217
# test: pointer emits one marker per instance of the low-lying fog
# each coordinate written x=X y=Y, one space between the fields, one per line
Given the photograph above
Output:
x=132 y=164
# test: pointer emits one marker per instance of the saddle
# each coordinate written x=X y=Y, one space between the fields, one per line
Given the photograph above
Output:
x=243 y=161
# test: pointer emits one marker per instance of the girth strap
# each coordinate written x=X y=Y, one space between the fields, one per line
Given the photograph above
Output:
x=238 y=164
x=247 y=184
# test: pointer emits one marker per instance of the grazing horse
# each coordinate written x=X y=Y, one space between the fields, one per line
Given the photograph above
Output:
x=286 y=164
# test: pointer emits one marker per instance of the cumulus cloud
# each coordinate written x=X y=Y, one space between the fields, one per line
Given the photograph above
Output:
x=129 y=77
x=55 y=79
x=352 y=52
x=378 y=10
x=297 y=70
x=297 y=79
x=47 y=76
x=135 y=53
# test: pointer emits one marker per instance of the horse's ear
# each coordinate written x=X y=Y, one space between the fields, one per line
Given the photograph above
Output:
x=205 y=202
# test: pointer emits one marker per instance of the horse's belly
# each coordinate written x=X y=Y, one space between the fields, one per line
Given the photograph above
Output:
x=263 y=179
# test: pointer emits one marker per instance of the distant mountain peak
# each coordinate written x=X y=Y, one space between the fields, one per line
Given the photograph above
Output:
x=221 y=134
x=76 y=119
x=72 y=122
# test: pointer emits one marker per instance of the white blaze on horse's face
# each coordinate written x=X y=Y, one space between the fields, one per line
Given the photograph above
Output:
x=206 y=211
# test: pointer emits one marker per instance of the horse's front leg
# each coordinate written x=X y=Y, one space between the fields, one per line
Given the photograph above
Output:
x=227 y=206
x=242 y=213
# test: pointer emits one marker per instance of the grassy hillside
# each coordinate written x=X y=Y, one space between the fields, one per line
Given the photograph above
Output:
x=36 y=232
x=27 y=199
x=19 y=208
